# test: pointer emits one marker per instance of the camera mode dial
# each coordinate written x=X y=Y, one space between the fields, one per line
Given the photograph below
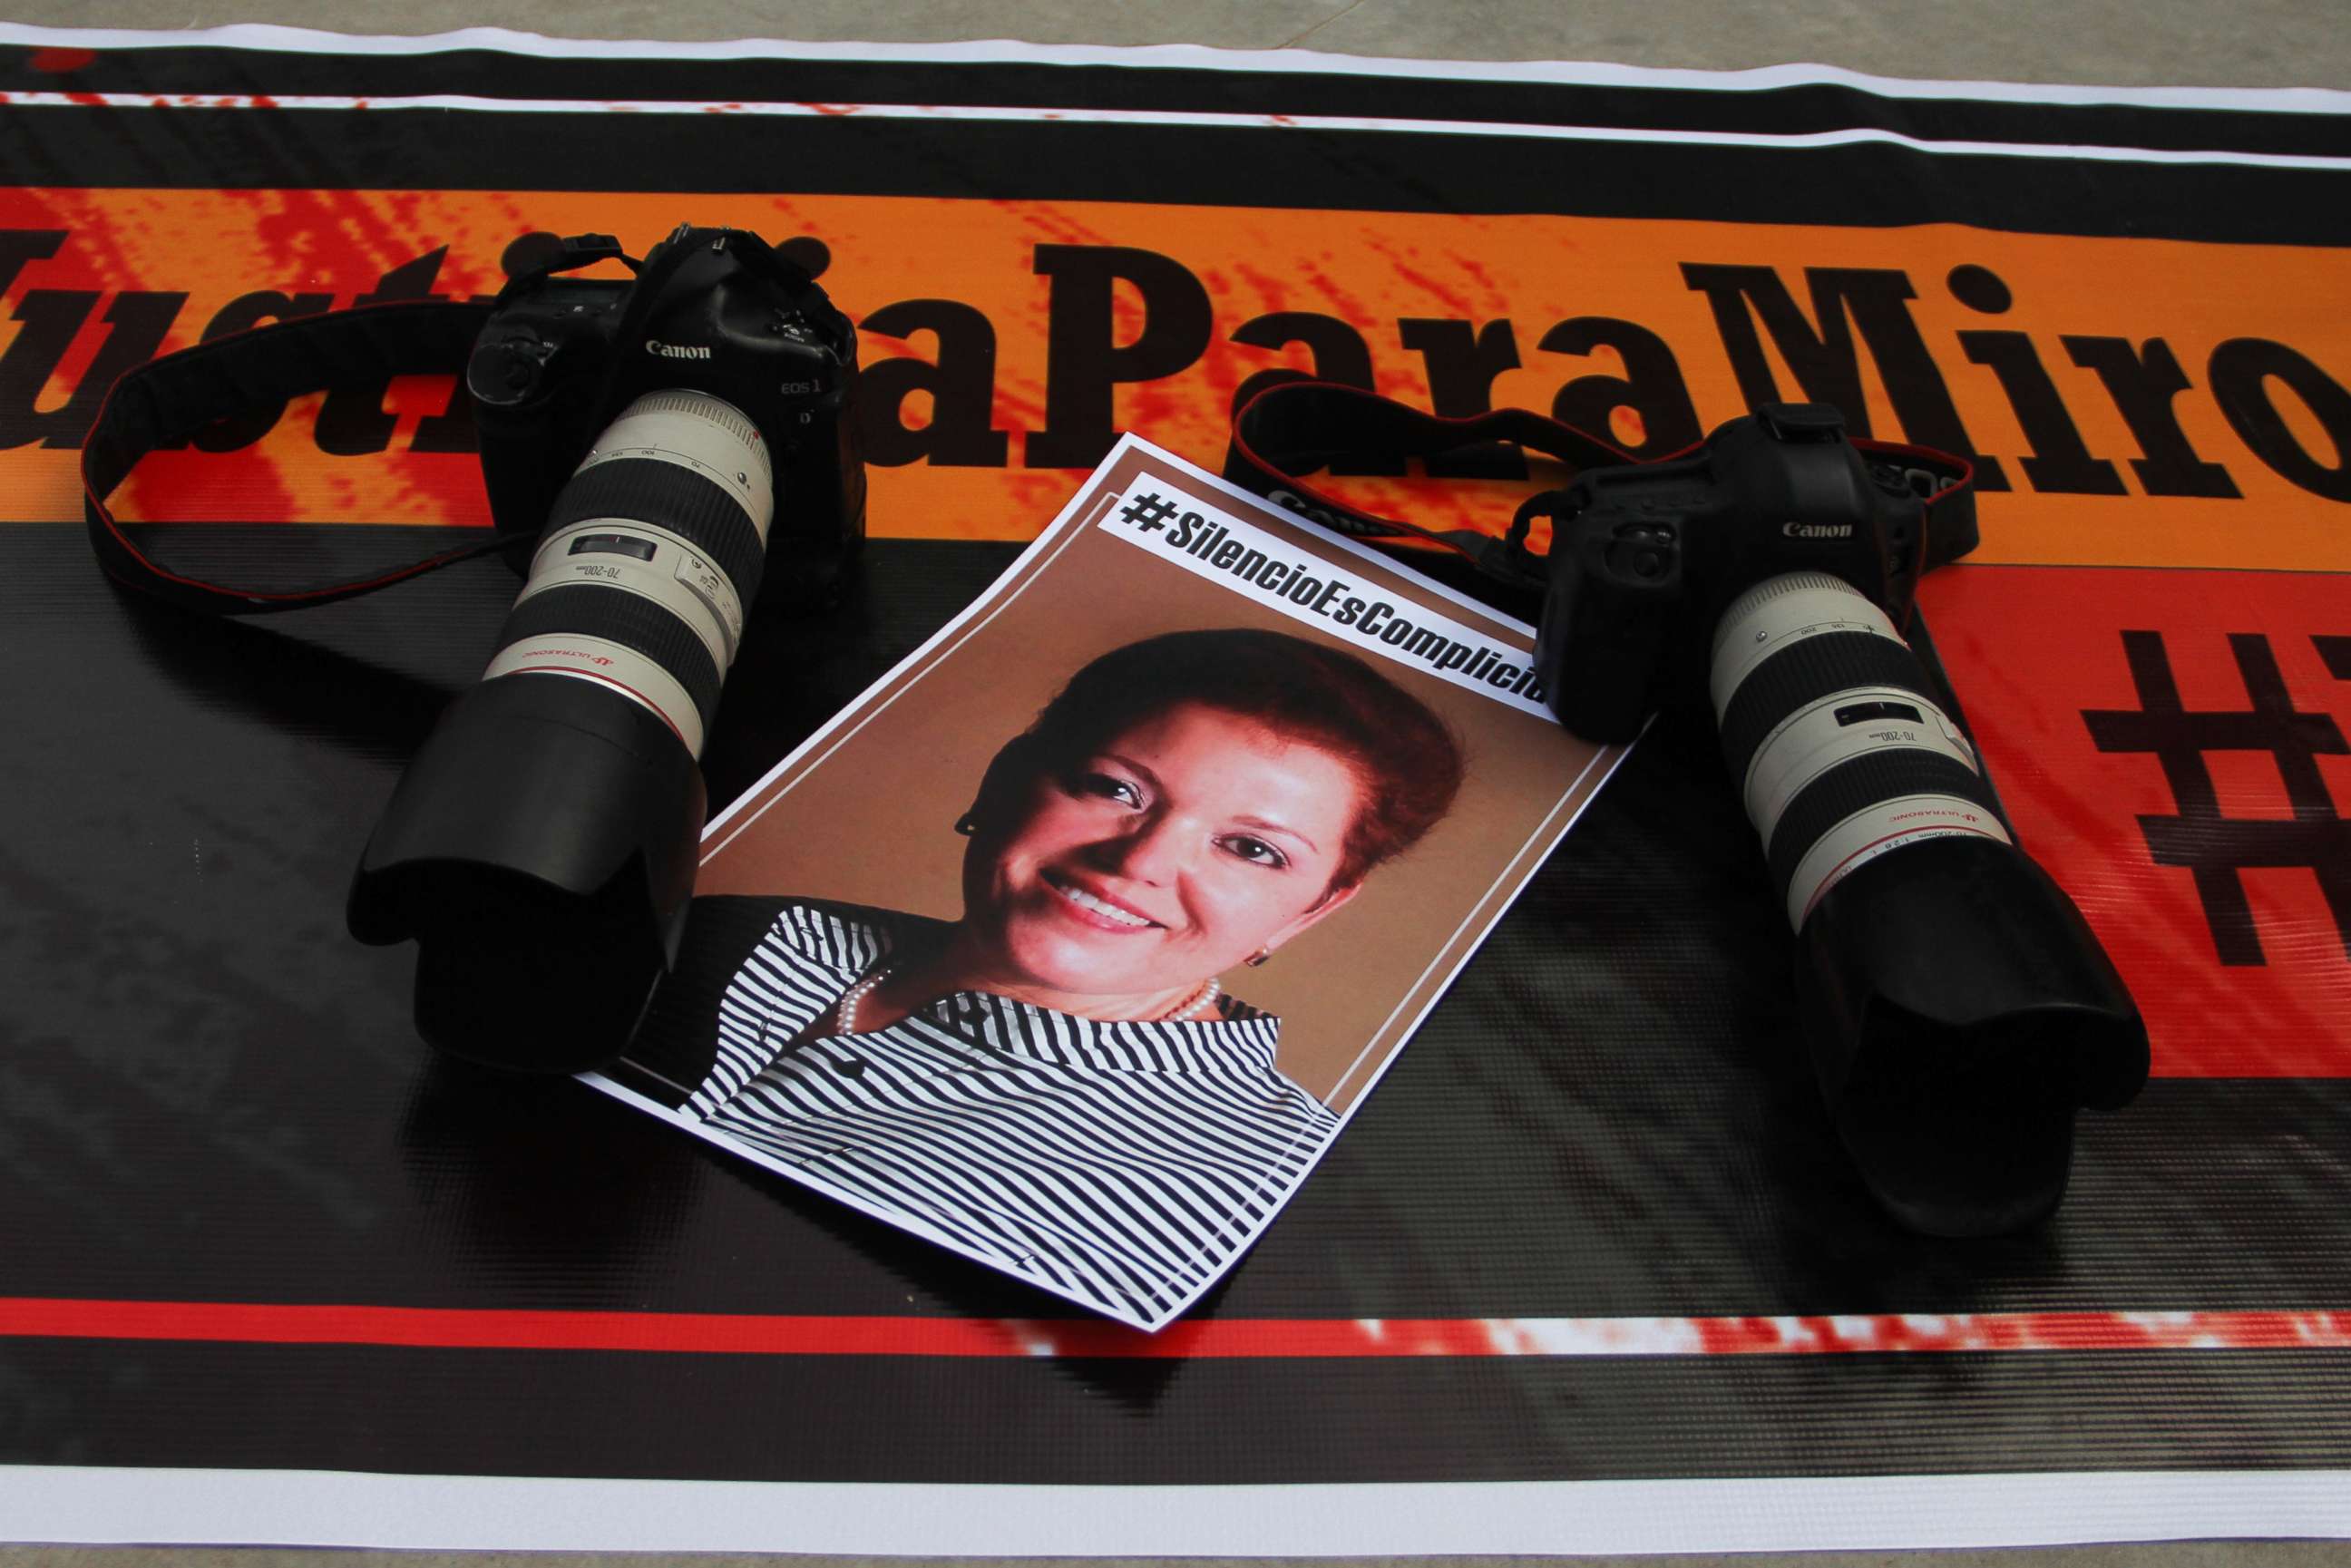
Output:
x=506 y=370
x=1646 y=552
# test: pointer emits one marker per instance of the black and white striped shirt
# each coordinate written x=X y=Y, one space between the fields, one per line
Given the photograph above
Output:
x=1124 y=1164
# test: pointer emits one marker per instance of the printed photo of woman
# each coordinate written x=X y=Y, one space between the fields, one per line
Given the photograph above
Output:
x=1059 y=1080
x=1073 y=942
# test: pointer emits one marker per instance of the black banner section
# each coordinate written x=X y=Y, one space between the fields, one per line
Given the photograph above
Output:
x=213 y=1094
x=1860 y=185
x=1801 y=109
x=1237 y=1422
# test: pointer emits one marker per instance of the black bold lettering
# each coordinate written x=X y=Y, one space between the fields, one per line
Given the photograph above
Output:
x=18 y=246
x=2060 y=463
x=961 y=432
x=1652 y=385
x=1339 y=354
x=1462 y=363
x=2142 y=383
x=1083 y=365
x=1824 y=360
x=352 y=421
x=136 y=324
x=245 y=312
x=2241 y=371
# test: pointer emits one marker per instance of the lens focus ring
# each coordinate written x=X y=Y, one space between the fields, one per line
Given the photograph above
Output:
x=1859 y=783
x=634 y=623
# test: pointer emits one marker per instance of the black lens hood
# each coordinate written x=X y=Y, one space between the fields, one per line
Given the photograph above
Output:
x=1959 y=1011
x=541 y=850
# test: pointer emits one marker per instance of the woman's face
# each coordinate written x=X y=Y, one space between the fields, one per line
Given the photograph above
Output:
x=1173 y=854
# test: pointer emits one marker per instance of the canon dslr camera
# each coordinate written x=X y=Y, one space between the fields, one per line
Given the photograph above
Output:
x=676 y=444
x=1957 y=1008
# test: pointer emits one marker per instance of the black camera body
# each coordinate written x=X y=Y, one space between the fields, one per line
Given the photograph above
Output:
x=1644 y=558
x=713 y=310
x=674 y=447
x=1957 y=1008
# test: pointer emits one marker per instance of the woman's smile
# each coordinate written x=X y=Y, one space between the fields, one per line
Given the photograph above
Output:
x=1095 y=908
x=1182 y=846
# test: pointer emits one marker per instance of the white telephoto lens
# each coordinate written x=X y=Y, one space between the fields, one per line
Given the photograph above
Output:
x=706 y=435
x=656 y=543
x=1828 y=722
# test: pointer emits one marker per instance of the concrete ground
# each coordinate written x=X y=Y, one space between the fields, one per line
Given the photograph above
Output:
x=2247 y=42
x=2151 y=43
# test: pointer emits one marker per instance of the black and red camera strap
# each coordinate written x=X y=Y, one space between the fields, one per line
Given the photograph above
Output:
x=168 y=401
x=1281 y=437
x=1298 y=428
x=172 y=399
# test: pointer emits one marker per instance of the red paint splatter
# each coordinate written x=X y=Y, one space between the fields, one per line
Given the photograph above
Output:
x=58 y=61
x=1452 y=300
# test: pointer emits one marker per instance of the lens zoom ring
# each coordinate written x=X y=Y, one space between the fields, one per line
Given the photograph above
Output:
x=1861 y=781
x=635 y=621
x=696 y=508
x=1804 y=672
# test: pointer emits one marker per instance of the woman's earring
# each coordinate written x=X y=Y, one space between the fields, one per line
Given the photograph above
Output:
x=1259 y=956
x=967 y=825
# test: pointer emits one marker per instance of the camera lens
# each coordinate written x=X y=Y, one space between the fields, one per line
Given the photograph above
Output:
x=653 y=549
x=1829 y=723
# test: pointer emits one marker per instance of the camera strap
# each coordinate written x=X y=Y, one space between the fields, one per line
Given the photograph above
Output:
x=1297 y=428
x=170 y=400
x=167 y=401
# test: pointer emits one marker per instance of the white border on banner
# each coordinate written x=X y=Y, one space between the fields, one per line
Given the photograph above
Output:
x=91 y=1506
x=273 y=37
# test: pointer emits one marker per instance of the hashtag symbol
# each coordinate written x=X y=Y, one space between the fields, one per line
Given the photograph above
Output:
x=1148 y=512
x=2213 y=848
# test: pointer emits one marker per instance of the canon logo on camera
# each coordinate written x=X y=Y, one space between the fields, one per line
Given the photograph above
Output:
x=1817 y=530
x=676 y=350
x=1322 y=514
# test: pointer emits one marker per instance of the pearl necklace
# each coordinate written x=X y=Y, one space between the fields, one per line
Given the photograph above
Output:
x=1201 y=1001
x=844 y=1019
x=844 y=1011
